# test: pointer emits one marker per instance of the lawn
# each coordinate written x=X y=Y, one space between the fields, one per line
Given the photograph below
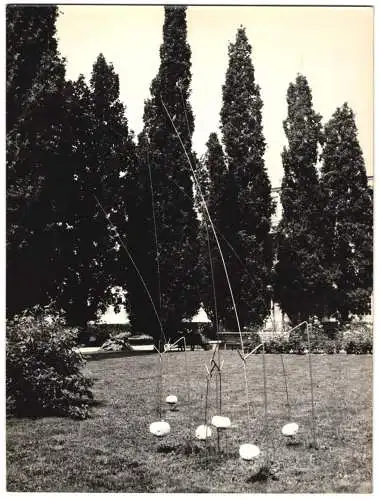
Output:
x=114 y=452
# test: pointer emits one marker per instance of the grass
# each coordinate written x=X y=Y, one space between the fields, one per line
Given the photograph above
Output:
x=114 y=452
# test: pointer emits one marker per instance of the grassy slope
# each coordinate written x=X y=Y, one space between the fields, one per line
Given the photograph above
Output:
x=114 y=451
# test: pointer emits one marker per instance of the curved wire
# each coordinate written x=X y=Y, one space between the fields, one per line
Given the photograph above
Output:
x=209 y=218
x=133 y=262
x=155 y=232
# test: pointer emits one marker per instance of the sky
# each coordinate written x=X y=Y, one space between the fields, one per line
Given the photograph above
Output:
x=331 y=46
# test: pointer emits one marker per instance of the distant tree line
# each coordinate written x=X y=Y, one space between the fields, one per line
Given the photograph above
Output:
x=90 y=206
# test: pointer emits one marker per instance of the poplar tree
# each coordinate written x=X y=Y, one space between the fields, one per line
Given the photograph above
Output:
x=176 y=297
x=300 y=273
x=347 y=218
x=213 y=284
x=248 y=217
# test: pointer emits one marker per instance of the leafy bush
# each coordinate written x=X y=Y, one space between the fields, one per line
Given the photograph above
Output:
x=118 y=342
x=358 y=340
x=254 y=340
x=277 y=345
x=97 y=334
x=43 y=369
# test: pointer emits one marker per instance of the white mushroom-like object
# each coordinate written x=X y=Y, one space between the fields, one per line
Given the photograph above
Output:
x=249 y=451
x=172 y=400
x=203 y=432
x=290 y=430
x=159 y=429
x=220 y=422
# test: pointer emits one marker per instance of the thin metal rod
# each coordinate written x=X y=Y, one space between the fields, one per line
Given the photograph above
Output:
x=253 y=350
x=188 y=389
x=246 y=390
x=286 y=386
x=265 y=393
x=155 y=232
x=187 y=376
x=220 y=381
x=220 y=393
x=297 y=326
x=212 y=276
x=184 y=108
x=217 y=406
x=206 y=400
x=311 y=387
x=217 y=391
x=265 y=403
x=160 y=385
x=206 y=409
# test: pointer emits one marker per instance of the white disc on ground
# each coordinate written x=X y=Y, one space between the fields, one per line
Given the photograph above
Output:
x=220 y=422
x=159 y=429
x=290 y=430
x=203 y=432
x=172 y=400
x=249 y=451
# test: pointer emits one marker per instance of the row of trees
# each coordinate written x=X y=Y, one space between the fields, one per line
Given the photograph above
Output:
x=324 y=240
x=80 y=188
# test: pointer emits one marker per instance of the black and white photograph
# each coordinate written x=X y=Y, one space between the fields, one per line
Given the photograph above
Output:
x=189 y=248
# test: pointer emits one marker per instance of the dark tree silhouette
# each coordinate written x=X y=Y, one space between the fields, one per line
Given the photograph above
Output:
x=347 y=218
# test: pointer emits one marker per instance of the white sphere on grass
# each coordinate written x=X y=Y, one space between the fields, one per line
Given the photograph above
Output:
x=172 y=400
x=220 y=422
x=290 y=430
x=159 y=429
x=249 y=451
x=203 y=432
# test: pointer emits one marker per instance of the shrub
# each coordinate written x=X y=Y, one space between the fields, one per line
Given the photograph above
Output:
x=118 y=342
x=254 y=340
x=278 y=345
x=97 y=334
x=358 y=340
x=43 y=368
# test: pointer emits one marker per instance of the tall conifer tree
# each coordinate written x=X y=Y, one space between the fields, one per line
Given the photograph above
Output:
x=300 y=272
x=176 y=296
x=213 y=284
x=248 y=218
x=347 y=218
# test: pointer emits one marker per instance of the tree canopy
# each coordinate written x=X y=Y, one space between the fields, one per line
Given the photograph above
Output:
x=347 y=218
x=164 y=180
x=300 y=272
x=247 y=221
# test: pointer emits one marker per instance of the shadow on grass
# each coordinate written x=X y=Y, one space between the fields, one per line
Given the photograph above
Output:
x=192 y=489
x=100 y=355
x=98 y=403
x=167 y=449
x=186 y=449
x=31 y=412
x=293 y=444
x=262 y=475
